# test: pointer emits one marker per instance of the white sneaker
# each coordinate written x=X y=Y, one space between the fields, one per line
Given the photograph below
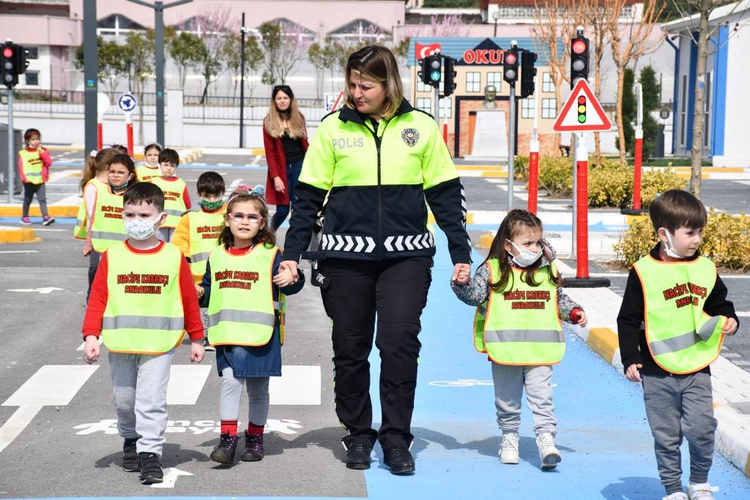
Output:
x=509 y=449
x=676 y=496
x=549 y=454
x=702 y=491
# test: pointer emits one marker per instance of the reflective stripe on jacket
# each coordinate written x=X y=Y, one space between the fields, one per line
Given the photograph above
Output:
x=174 y=203
x=521 y=326
x=32 y=165
x=682 y=338
x=107 y=228
x=204 y=236
x=144 y=313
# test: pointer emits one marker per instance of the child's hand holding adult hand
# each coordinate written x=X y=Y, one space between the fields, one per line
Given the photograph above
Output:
x=91 y=349
x=283 y=278
x=461 y=274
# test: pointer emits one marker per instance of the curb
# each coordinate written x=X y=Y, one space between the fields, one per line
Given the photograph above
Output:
x=54 y=211
x=731 y=384
x=190 y=155
x=17 y=235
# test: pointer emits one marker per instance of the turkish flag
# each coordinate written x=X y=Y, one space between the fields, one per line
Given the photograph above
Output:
x=423 y=50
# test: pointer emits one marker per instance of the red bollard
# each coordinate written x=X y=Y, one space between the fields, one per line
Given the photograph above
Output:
x=99 y=137
x=445 y=133
x=533 y=176
x=582 y=210
x=130 y=138
x=637 y=162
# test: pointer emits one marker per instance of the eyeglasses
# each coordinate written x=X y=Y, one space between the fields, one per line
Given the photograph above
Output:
x=251 y=218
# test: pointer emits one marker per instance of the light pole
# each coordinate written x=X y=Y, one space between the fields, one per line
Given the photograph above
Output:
x=495 y=16
x=159 y=60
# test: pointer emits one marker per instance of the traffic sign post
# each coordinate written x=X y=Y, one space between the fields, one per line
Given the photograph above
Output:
x=637 y=156
x=127 y=104
x=582 y=113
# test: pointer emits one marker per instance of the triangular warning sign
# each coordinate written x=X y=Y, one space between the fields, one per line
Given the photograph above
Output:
x=582 y=112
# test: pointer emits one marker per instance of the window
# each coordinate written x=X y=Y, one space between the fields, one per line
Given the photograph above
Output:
x=496 y=79
x=446 y=108
x=527 y=107
x=473 y=81
x=33 y=53
x=421 y=87
x=549 y=108
x=547 y=84
x=424 y=104
x=32 y=78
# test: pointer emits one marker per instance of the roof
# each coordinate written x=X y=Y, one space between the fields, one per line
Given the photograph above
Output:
x=717 y=16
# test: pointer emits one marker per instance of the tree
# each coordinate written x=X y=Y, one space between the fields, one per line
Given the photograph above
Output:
x=186 y=51
x=630 y=40
x=629 y=110
x=651 y=90
x=212 y=25
x=284 y=47
x=140 y=49
x=316 y=56
x=232 y=56
x=112 y=62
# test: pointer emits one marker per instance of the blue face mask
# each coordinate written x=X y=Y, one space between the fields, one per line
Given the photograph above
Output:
x=121 y=186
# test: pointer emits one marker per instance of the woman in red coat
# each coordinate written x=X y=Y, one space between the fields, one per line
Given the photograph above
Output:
x=285 y=141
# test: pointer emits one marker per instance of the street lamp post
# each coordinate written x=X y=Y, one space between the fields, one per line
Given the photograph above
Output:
x=495 y=16
x=159 y=60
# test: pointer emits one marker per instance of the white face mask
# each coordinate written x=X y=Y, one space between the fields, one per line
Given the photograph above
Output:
x=524 y=257
x=140 y=229
x=669 y=248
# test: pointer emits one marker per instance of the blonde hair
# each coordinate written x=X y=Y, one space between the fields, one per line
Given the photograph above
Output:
x=377 y=64
x=296 y=121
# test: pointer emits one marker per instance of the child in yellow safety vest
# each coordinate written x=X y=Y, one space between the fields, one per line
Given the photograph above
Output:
x=142 y=303
x=244 y=290
x=670 y=327
x=34 y=162
x=176 y=197
x=150 y=166
x=518 y=325
x=197 y=232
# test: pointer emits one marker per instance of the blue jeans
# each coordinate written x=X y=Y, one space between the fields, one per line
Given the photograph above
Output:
x=282 y=211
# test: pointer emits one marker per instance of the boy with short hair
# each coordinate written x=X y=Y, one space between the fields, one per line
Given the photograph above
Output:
x=142 y=301
x=671 y=325
x=176 y=196
x=197 y=232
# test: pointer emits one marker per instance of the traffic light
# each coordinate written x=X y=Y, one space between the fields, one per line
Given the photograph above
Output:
x=449 y=76
x=430 y=72
x=581 y=109
x=510 y=65
x=579 y=58
x=528 y=72
x=12 y=63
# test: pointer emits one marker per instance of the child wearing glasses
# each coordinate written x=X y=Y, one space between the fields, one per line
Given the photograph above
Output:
x=245 y=293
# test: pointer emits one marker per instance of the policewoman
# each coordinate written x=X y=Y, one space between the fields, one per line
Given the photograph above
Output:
x=377 y=160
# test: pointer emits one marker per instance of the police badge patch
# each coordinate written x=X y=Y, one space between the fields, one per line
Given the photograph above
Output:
x=410 y=136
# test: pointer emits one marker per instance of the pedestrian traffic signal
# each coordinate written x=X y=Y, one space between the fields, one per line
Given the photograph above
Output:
x=430 y=72
x=449 y=76
x=528 y=73
x=510 y=65
x=579 y=58
x=581 y=108
x=12 y=63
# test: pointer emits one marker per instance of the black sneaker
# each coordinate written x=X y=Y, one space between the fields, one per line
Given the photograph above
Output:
x=207 y=346
x=131 y=462
x=399 y=459
x=151 y=472
x=224 y=451
x=358 y=456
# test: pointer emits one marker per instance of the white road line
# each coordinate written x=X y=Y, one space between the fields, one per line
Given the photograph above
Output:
x=74 y=199
x=186 y=383
x=256 y=160
x=234 y=185
x=298 y=385
x=51 y=385
x=19 y=251
x=742 y=314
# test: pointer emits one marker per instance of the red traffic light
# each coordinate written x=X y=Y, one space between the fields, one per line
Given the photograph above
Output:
x=8 y=52
x=578 y=46
x=510 y=58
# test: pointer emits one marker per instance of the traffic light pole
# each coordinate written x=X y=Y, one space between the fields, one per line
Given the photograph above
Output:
x=437 y=106
x=511 y=145
x=11 y=148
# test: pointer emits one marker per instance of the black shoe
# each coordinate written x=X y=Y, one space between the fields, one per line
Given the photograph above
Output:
x=399 y=459
x=207 y=346
x=358 y=456
x=254 y=450
x=131 y=462
x=224 y=451
x=151 y=468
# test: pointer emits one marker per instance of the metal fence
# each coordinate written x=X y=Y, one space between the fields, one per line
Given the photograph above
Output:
x=206 y=109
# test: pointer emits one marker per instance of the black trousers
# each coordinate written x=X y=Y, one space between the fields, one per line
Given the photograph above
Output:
x=394 y=292
x=29 y=190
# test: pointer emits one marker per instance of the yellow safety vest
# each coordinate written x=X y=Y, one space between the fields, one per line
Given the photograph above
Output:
x=145 y=174
x=31 y=164
x=520 y=326
x=174 y=204
x=682 y=338
x=80 y=230
x=144 y=313
x=107 y=227
x=204 y=236
x=241 y=307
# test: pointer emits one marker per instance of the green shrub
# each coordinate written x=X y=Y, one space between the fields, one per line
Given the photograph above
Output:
x=726 y=241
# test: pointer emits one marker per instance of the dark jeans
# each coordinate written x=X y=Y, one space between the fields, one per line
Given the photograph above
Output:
x=94 y=258
x=396 y=292
x=282 y=211
x=29 y=190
